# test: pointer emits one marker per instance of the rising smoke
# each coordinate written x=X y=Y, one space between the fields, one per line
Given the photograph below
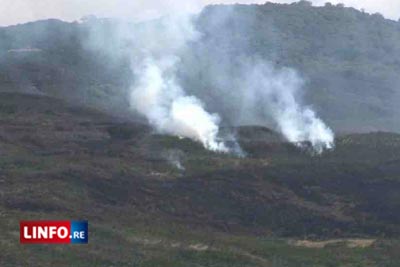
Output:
x=246 y=88
x=156 y=93
x=258 y=93
x=277 y=90
x=176 y=94
x=174 y=157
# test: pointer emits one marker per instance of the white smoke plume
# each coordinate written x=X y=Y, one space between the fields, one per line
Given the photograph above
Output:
x=174 y=157
x=156 y=93
x=278 y=93
x=172 y=85
x=247 y=89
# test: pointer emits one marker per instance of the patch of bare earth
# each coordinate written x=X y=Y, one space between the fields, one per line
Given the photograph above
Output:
x=350 y=243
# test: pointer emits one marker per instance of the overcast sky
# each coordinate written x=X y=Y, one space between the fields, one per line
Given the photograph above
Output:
x=20 y=11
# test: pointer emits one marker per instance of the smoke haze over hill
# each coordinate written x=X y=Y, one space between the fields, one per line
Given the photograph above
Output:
x=336 y=65
x=239 y=136
x=258 y=89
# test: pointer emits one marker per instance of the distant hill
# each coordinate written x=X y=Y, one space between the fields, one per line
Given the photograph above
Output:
x=54 y=58
x=349 y=59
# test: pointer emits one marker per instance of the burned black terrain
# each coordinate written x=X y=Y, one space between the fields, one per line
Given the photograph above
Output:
x=155 y=200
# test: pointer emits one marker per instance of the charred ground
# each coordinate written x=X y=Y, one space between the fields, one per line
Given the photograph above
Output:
x=221 y=210
x=154 y=200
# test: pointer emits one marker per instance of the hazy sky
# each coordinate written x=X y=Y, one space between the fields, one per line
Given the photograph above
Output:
x=19 y=11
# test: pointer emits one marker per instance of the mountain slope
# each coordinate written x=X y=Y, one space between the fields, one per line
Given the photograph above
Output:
x=155 y=200
x=349 y=59
x=144 y=209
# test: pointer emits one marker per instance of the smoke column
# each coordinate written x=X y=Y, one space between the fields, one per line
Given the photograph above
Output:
x=156 y=93
x=277 y=91
x=178 y=71
x=238 y=80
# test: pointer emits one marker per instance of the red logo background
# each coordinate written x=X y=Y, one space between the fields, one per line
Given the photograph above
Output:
x=29 y=225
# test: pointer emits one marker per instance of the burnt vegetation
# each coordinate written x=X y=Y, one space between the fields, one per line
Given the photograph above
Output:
x=81 y=163
x=75 y=161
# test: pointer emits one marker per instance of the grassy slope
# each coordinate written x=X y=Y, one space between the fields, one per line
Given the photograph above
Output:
x=64 y=162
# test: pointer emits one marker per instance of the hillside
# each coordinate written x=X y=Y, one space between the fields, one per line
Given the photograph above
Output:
x=349 y=59
x=72 y=148
x=53 y=58
x=156 y=200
